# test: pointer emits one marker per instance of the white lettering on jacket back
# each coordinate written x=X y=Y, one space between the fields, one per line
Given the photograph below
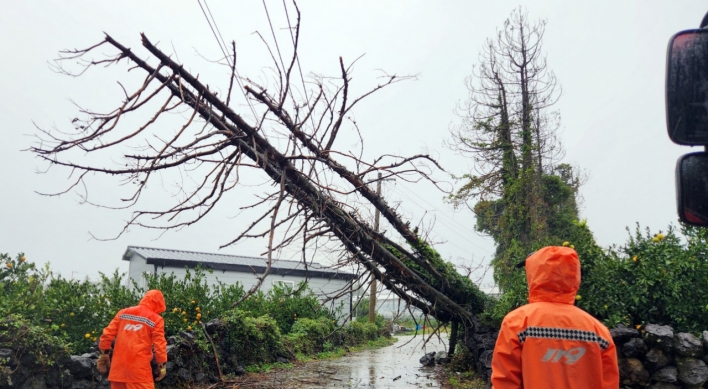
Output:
x=571 y=356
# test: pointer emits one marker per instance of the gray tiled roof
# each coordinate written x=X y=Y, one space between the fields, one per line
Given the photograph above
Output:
x=223 y=259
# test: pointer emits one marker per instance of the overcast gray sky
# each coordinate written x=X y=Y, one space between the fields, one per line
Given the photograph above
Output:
x=609 y=57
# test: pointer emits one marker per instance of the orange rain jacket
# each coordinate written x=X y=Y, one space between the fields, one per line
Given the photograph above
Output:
x=136 y=330
x=550 y=343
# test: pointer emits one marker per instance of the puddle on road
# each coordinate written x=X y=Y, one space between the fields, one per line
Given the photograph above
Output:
x=372 y=368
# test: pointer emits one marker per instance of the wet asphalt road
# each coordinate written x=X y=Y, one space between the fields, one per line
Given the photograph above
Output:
x=372 y=368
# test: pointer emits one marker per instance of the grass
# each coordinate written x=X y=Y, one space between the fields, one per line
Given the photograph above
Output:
x=341 y=351
x=454 y=380
x=324 y=355
x=374 y=344
x=458 y=374
x=466 y=380
x=267 y=367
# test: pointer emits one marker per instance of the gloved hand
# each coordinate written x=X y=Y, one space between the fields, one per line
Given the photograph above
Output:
x=162 y=368
x=104 y=362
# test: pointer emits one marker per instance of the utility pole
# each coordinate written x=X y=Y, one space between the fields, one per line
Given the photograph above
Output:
x=372 y=292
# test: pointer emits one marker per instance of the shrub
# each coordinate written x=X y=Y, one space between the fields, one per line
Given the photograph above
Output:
x=379 y=320
x=75 y=310
x=26 y=339
x=653 y=278
x=462 y=359
x=190 y=300
x=78 y=310
x=360 y=332
x=21 y=286
x=252 y=339
x=308 y=336
x=515 y=296
x=362 y=309
x=288 y=306
x=646 y=280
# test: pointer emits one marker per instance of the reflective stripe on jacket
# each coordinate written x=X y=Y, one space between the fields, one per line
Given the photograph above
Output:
x=136 y=331
x=550 y=343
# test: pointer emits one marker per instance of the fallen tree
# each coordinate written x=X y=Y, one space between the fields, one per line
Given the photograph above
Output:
x=290 y=139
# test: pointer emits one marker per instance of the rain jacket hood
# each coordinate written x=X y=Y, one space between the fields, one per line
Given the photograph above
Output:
x=553 y=275
x=154 y=300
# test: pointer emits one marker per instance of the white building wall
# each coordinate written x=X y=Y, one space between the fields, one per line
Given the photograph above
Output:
x=321 y=287
x=137 y=267
x=389 y=305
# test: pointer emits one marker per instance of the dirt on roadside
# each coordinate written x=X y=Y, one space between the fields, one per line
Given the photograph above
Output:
x=448 y=379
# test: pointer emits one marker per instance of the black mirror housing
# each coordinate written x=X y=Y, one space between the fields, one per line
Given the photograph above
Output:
x=692 y=188
x=687 y=87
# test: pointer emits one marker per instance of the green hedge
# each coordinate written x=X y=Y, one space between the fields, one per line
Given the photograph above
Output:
x=657 y=278
x=359 y=332
x=253 y=340
x=78 y=310
x=311 y=336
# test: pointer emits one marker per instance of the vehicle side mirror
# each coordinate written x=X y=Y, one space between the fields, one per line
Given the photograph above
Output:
x=692 y=188
x=687 y=88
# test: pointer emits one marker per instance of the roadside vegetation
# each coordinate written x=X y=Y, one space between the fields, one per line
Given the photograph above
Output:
x=525 y=197
x=459 y=373
x=70 y=314
x=466 y=380
x=659 y=278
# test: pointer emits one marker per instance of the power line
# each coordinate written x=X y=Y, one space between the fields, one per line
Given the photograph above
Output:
x=277 y=47
x=443 y=214
x=438 y=213
x=455 y=230
x=223 y=51
x=217 y=28
x=222 y=46
x=297 y=59
x=443 y=223
x=446 y=219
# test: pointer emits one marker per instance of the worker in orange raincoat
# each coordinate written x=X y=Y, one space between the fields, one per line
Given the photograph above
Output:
x=550 y=343
x=137 y=331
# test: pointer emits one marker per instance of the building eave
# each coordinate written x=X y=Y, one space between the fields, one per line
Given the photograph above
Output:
x=180 y=264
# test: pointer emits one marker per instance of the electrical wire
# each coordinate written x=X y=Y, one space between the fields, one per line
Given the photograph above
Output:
x=445 y=224
x=277 y=47
x=299 y=68
x=222 y=46
x=443 y=214
x=442 y=219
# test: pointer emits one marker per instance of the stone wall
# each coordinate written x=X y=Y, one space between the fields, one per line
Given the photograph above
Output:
x=188 y=363
x=655 y=357
x=660 y=358
x=480 y=339
x=43 y=364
